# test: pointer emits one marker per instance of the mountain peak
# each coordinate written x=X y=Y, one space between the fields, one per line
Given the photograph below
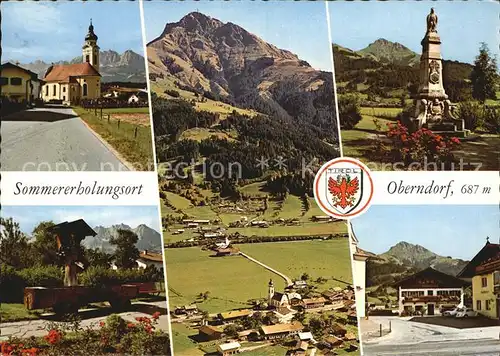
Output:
x=384 y=42
x=196 y=22
x=408 y=248
x=387 y=51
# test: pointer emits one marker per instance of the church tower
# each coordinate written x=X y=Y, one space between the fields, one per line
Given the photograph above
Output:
x=90 y=48
x=270 y=293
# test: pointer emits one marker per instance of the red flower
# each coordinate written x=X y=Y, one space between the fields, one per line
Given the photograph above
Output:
x=53 y=337
x=102 y=324
x=6 y=348
x=156 y=315
x=130 y=325
x=30 y=352
x=455 y=140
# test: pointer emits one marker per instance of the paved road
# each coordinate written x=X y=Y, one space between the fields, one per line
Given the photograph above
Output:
x=89 y=318
x=442 y=348
x=54 y=139
x=413 y=338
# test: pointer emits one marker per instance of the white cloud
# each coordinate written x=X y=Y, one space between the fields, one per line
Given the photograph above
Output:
x=34 y=17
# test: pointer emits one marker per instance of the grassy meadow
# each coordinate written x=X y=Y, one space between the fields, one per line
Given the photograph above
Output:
x=327 y=259
x=231 y=281
x=136 y=149
x=191 y=271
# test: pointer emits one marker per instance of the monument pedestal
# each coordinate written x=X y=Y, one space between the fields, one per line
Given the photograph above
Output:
x=433 y=110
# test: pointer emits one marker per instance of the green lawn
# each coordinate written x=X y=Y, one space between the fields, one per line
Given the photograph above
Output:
x=183 y=345
x=16 y=312
x=178 y=201
x=138 y=151
x=231 y=281
x=327 y=259
x=144 y=110
x=304 y=229
x=292 y=207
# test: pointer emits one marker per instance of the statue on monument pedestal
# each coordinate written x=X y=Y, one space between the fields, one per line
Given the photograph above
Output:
x=432 y=21
x=433 y=110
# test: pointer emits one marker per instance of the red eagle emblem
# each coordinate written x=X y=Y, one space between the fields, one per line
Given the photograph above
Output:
x=343 y=189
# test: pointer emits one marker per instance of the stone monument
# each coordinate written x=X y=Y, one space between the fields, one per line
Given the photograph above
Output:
x=433 y=110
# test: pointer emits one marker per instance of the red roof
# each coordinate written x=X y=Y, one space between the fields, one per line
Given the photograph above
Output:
x=64 y=72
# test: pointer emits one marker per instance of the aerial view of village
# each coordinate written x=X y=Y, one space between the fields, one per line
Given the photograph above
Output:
x=82 y=281
x=418 y=87
x=243 y=115
x=73 y=92
x=432 y=280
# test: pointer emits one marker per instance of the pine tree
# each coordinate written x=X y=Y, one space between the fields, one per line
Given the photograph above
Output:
x=484 y=75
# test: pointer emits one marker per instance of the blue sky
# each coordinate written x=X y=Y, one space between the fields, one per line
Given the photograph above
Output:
x=29 y=216
x=53 y=31
x=299 y=27
x=448 y=230
x=462 y=25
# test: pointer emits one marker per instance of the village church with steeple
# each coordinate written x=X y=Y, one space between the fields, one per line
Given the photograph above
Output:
x=71 y=83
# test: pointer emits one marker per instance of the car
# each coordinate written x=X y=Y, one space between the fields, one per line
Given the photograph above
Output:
x=466 y=313
x=452 y=312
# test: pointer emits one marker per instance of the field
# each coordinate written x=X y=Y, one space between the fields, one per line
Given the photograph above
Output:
x=231 y=281
x=160 y=85
x=360 y=142
x=327 y=259
x=290 y=208
x=191 y=271
x=131 y=140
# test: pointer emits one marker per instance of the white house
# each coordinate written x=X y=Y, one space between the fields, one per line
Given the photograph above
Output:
x=229 y=348
x=147 y=258
x=430 y=292
x=359 y=258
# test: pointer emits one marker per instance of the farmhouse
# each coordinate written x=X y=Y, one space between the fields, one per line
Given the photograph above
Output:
x=250 y=334
x=428 y=291
x=229 y=348
x=279 y=331
x=71 y=83
x=201 y=221
x=484 y=272
x=148 y=258
x=300 y=284
x=186 y=310
x=233 y=315
x=284 y=314
x=260 y=223
x=18 y=84
x=306 y=336
x=333 y=296
x=209 y=332
x=135 y=98
x=310 y=303
x=321 y=218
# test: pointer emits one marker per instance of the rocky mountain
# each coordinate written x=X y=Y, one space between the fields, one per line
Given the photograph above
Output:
x=149 y=239
x=419 y=257
x=405 y=259
x=388 y=52
x=225 y=61
x=114 y=67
